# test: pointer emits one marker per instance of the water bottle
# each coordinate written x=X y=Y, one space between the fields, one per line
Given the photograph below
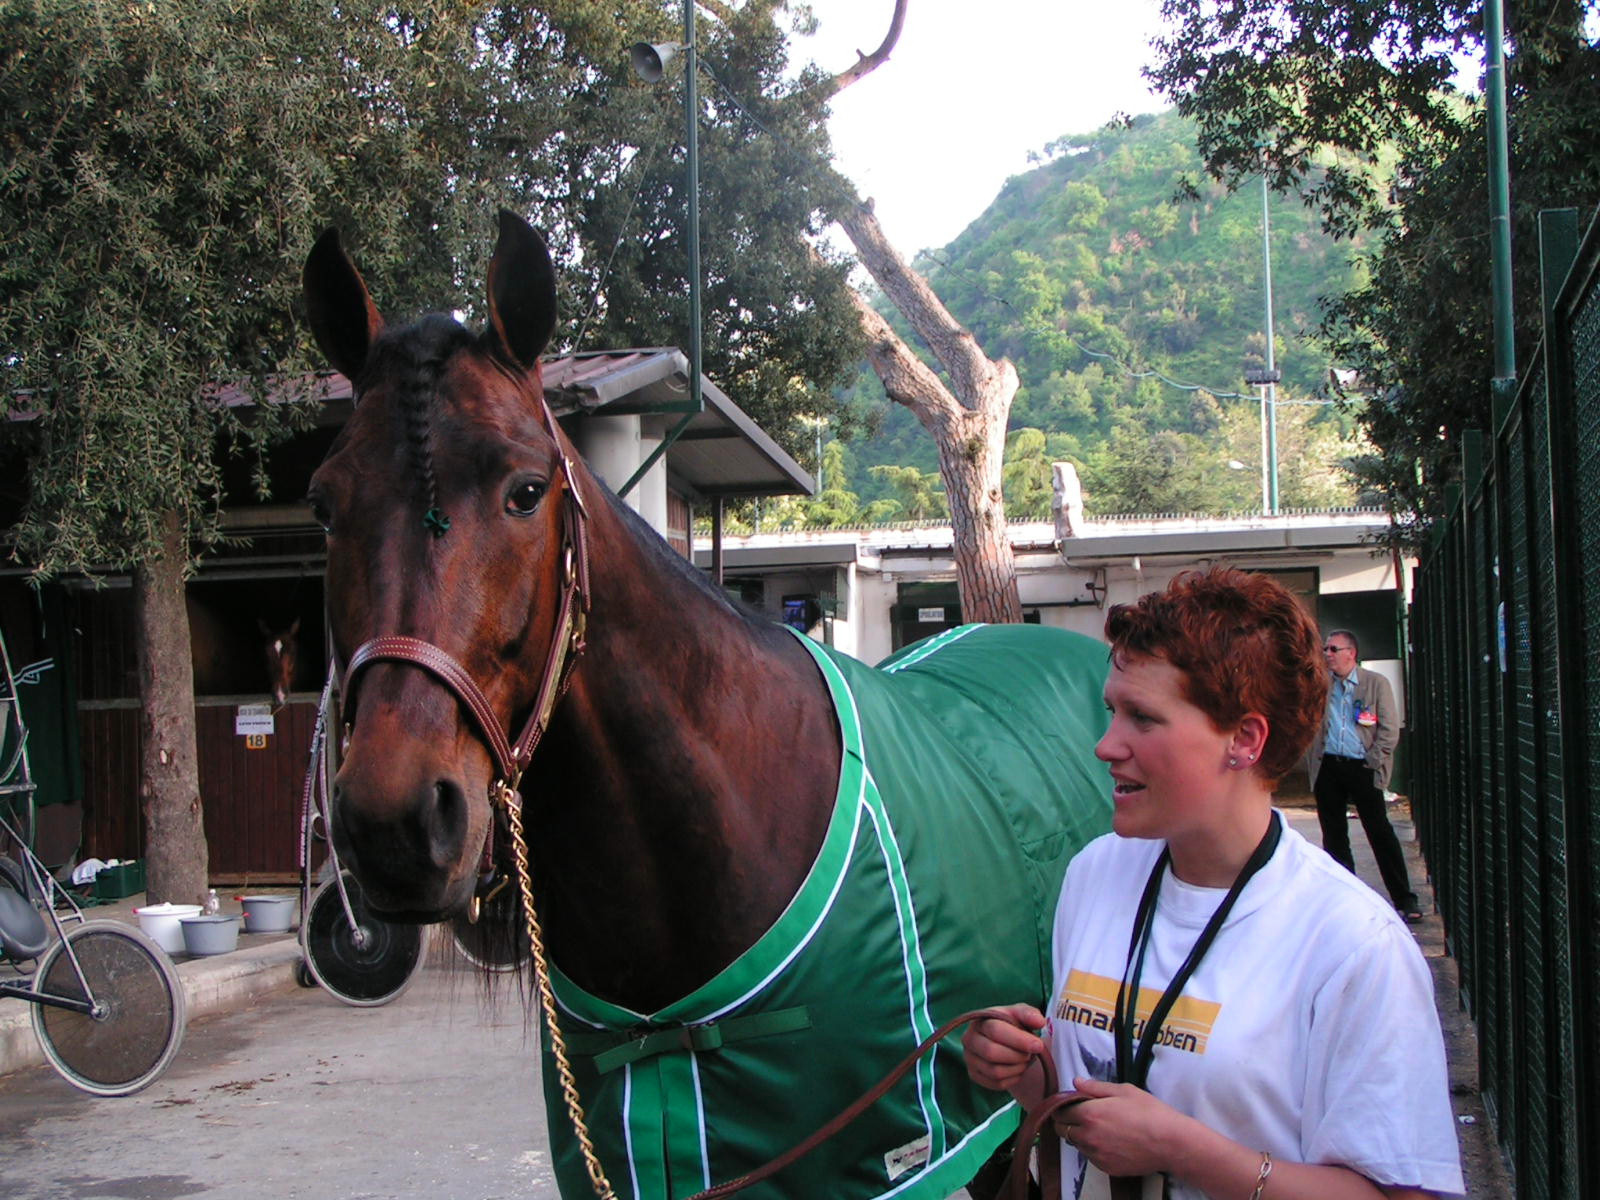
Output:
x=212 y=904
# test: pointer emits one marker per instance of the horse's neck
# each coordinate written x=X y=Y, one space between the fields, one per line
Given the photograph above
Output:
x=686 y=781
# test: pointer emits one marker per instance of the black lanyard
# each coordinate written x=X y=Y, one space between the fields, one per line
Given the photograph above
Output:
x=1134 y=1066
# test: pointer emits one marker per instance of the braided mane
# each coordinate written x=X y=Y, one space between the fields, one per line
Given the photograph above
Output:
x=420 y=351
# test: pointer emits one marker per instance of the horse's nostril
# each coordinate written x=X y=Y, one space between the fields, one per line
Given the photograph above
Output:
x=446 y=824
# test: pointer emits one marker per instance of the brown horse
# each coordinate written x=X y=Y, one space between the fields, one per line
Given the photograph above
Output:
x=681 y=804
x=282 y=653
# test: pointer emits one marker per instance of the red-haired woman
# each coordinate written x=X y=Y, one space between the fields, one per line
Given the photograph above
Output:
x=1249 y=1021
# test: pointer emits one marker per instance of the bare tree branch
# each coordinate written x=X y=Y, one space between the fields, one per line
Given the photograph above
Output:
x=971 y=373
x=967 y=418
x=865 y=64
x=717 y=9
x=906 y=378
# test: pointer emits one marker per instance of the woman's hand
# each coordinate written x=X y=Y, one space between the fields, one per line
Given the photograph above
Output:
x=1000 y=1049
x=1122 y=1129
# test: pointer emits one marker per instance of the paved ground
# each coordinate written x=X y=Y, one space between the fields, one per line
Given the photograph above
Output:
x=283 y=1092
x=295 y=1095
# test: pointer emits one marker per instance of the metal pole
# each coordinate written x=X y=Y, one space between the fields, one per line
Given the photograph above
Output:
x=1270 y=396
x=1266 y=485
x=1504 y=385
x=691 y=104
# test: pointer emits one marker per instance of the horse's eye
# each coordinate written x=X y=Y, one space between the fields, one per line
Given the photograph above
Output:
x=524 y=498
x=320 y=514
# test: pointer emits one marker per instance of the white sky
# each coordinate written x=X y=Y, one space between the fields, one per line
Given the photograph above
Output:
x=972 y=87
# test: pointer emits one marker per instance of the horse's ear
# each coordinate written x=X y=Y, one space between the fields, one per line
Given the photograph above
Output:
x=343 y=317
x=522 y=292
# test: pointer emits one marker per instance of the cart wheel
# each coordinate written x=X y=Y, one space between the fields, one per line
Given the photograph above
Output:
x=141 y=1015
x=303 y=975
x=498 y=940
x=367 y=965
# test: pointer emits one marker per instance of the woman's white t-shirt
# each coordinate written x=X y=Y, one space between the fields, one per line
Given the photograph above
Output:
x=1307 y=1030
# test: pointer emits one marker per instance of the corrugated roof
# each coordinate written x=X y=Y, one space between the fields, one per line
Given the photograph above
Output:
x=720 y=452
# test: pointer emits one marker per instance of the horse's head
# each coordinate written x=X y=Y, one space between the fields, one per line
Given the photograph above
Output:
x=442 y=499
x=282 y=653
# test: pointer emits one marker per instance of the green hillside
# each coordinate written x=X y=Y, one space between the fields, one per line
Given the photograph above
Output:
x=1091 y=255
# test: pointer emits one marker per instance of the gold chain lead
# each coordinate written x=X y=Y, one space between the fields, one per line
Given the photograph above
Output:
x=547 y=999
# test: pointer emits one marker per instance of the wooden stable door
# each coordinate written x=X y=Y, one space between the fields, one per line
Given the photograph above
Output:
x=252 y=786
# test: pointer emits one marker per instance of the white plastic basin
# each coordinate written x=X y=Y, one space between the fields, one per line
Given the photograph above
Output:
x=162 y=923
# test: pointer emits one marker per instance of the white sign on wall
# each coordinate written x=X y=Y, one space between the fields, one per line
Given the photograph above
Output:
x=252 y=720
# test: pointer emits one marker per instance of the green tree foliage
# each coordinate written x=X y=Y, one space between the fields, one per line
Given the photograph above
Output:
x=1293 y=81
x=167 y=166
x=779 y=330
x=1095 y=280
x=1142 y=472
x=1029 y=470
x=916 y=495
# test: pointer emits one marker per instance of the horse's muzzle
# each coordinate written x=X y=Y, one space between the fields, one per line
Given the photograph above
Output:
x=409 y=849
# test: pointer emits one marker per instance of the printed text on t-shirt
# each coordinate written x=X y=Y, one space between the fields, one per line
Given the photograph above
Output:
x=1089 y=999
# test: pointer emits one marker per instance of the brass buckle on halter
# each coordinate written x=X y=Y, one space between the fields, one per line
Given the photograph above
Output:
x=503 y=792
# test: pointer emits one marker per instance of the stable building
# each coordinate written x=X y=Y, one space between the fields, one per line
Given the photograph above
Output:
x=870 y=591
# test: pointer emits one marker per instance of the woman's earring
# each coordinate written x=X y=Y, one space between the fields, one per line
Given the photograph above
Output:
x=1233 y=762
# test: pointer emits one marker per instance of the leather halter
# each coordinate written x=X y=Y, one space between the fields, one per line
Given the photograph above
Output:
x=566 y=644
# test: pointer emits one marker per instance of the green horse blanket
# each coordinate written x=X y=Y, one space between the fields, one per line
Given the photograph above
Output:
x=967 y=781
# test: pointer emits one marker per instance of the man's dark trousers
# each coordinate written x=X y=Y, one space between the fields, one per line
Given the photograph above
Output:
x=1342 y=781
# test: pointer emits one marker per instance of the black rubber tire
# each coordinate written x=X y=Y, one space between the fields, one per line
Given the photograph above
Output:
x=369 y=965
x=142 y=1015
x=497 y=941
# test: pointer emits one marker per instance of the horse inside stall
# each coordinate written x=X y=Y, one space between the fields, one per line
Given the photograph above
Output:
x=282 y=652
x=752 y=902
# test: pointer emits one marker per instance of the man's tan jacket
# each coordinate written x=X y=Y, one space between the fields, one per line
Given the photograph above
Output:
x=1373 y=693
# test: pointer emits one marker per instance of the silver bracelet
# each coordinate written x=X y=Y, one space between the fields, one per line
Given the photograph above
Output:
x=1261 y=1179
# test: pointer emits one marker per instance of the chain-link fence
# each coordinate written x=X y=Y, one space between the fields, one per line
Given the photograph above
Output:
x=1505 y=692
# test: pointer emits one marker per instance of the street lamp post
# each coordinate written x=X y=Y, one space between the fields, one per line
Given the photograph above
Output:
x=649 y=62
x=691 y=109
x=1267 y=381
x=1270 y=390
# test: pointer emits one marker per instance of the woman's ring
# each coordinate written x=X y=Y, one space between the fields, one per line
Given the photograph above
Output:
x=1068 y=1135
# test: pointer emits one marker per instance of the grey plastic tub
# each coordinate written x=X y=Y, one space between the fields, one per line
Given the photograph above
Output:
x=217 y=934
x=268 y=914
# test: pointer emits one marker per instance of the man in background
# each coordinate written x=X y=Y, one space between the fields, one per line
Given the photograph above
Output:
x=1351 y=763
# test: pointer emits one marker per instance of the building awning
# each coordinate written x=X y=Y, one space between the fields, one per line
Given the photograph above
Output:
x=720 y=452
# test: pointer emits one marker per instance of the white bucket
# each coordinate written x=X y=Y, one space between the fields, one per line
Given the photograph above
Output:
x=161 y=923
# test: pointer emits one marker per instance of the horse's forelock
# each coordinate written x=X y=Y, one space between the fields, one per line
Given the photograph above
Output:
x=414 y=358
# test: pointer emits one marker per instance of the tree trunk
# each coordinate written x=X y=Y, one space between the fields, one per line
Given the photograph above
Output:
x=970 y=432
x=176 y=859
